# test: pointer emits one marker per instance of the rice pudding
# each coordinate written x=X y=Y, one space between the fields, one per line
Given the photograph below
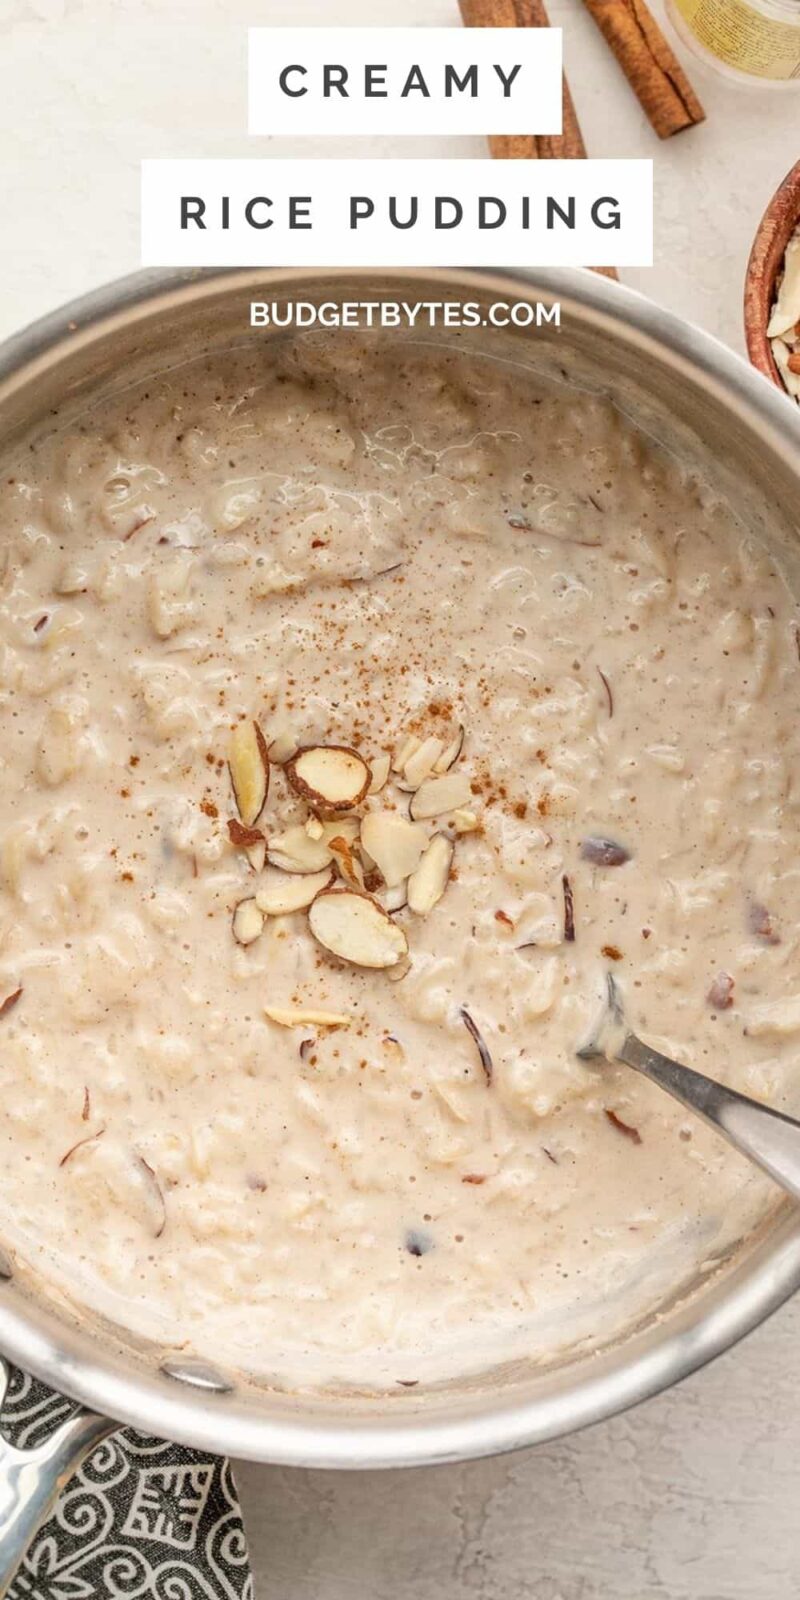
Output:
x=363 y=706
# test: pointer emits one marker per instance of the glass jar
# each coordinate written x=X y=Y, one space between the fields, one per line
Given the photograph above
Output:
x=750 y=40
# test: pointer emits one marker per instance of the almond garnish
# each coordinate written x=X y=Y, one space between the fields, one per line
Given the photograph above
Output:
x=305 y=1016
x=401 y=971
x=427 y=885
x=394 y=899
x=356 y=928
x=10 y=1001
x=154 y=1193
x=330 y=777
x=439 y=795
x=242 y=837
x=483 y=1050
x=451 y=752
x=386 y=861
x=283 y=746
x=250 y=840
x=280 y=893
x=89 y=1139
x=296 y=851
x=349 y=867
x=394 y=844
x=569 y=910
x=420 y=765
x=370 y=867
x=380 y=767
x=248 y=764
x=248 y=921
x=257 y=855
x=405 y=751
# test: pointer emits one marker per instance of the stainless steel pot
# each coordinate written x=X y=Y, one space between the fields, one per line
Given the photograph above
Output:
x=672 y=377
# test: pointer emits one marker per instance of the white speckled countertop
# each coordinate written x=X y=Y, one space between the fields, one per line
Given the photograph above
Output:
x=693 y=1496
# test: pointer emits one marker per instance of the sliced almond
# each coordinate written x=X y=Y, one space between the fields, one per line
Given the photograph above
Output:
x=340 y=828
x=451 y=753
x=394 y=899
x=420 y=765
x=282 y=746
x=405 y=751
x=240 y=836
x=248 y=921
x=331 y=777
x=370 y=866
x=380 y=768
x=349 y=867
x=401 y=971
x=394 y=844
x=465 y=821
x=439 y=795
x=483 y=1050
x=306 y=1017
x=250 y=841
x=356 y=928
x=11 y=1000
x=296 y=851
x=280 y=893
x=248 y=764
x=427 y=885
x=154 y=1194
x=257 y=854
x=314 y=828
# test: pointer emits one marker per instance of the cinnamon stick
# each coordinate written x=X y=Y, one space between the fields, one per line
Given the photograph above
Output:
x=653 y=72
x=528 y=146
x=568 y=144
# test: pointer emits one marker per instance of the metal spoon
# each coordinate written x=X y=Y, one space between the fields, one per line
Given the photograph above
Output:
x=768 y=1137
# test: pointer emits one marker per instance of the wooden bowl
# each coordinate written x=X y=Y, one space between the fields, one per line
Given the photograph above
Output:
x=766 y=258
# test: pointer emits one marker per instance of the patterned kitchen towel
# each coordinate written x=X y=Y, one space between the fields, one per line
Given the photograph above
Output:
x=139 y=1519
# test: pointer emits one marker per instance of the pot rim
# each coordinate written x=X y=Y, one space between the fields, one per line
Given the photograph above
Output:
x=427 y=1428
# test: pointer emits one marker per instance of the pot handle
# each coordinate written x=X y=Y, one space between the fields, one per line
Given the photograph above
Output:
x=31 y=1480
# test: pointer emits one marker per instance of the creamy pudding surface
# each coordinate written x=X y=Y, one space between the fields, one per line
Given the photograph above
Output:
x=543 y=644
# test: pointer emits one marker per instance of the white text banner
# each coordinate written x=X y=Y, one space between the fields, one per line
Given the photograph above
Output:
x=224 y=213
x=394 y=81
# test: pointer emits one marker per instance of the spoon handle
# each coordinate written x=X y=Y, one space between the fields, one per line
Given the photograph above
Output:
x=768 y=1137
